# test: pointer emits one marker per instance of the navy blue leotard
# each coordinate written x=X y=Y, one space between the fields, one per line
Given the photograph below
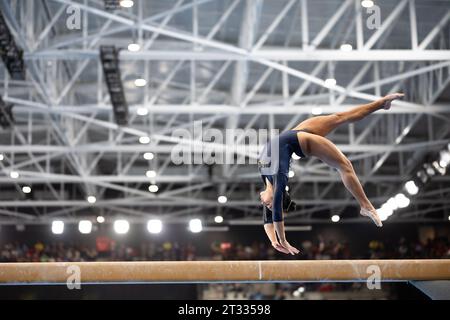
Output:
x=273 y=165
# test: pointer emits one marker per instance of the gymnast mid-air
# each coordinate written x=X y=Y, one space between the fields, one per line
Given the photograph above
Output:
x=308 y=139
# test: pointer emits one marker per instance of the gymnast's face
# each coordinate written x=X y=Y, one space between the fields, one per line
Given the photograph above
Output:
x=267 y=197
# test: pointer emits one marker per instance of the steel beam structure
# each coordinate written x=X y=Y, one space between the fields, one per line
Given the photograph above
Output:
x=229 y=65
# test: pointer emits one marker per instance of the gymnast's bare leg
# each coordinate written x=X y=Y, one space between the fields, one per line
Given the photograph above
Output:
x=314 y=143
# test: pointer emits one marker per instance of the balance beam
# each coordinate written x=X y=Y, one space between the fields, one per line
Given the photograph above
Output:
x=224 y=271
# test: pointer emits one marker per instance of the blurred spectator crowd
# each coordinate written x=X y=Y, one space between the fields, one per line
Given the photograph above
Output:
x=59 y=252
x=108 y=250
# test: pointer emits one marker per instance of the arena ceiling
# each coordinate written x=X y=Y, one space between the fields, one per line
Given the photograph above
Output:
x=225 y=64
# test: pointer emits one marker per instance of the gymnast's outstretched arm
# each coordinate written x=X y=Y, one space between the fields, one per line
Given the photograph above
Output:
x=280 y=182
x=273 y=215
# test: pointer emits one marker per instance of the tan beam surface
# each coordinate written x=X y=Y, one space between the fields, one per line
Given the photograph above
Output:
x=204 y=271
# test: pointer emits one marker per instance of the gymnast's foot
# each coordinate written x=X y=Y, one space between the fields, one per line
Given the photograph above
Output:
x=391 y=97
x=372 y=214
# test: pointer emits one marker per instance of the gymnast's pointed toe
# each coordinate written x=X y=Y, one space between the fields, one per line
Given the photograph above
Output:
x=372 y=214
x=390 y=98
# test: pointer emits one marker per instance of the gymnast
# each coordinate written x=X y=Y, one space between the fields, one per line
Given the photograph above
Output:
x=308 y=139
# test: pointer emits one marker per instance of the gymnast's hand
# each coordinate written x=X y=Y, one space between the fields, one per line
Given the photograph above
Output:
x=270 y=231
x=391 y=97
x=291 y=250
x=279 y=247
